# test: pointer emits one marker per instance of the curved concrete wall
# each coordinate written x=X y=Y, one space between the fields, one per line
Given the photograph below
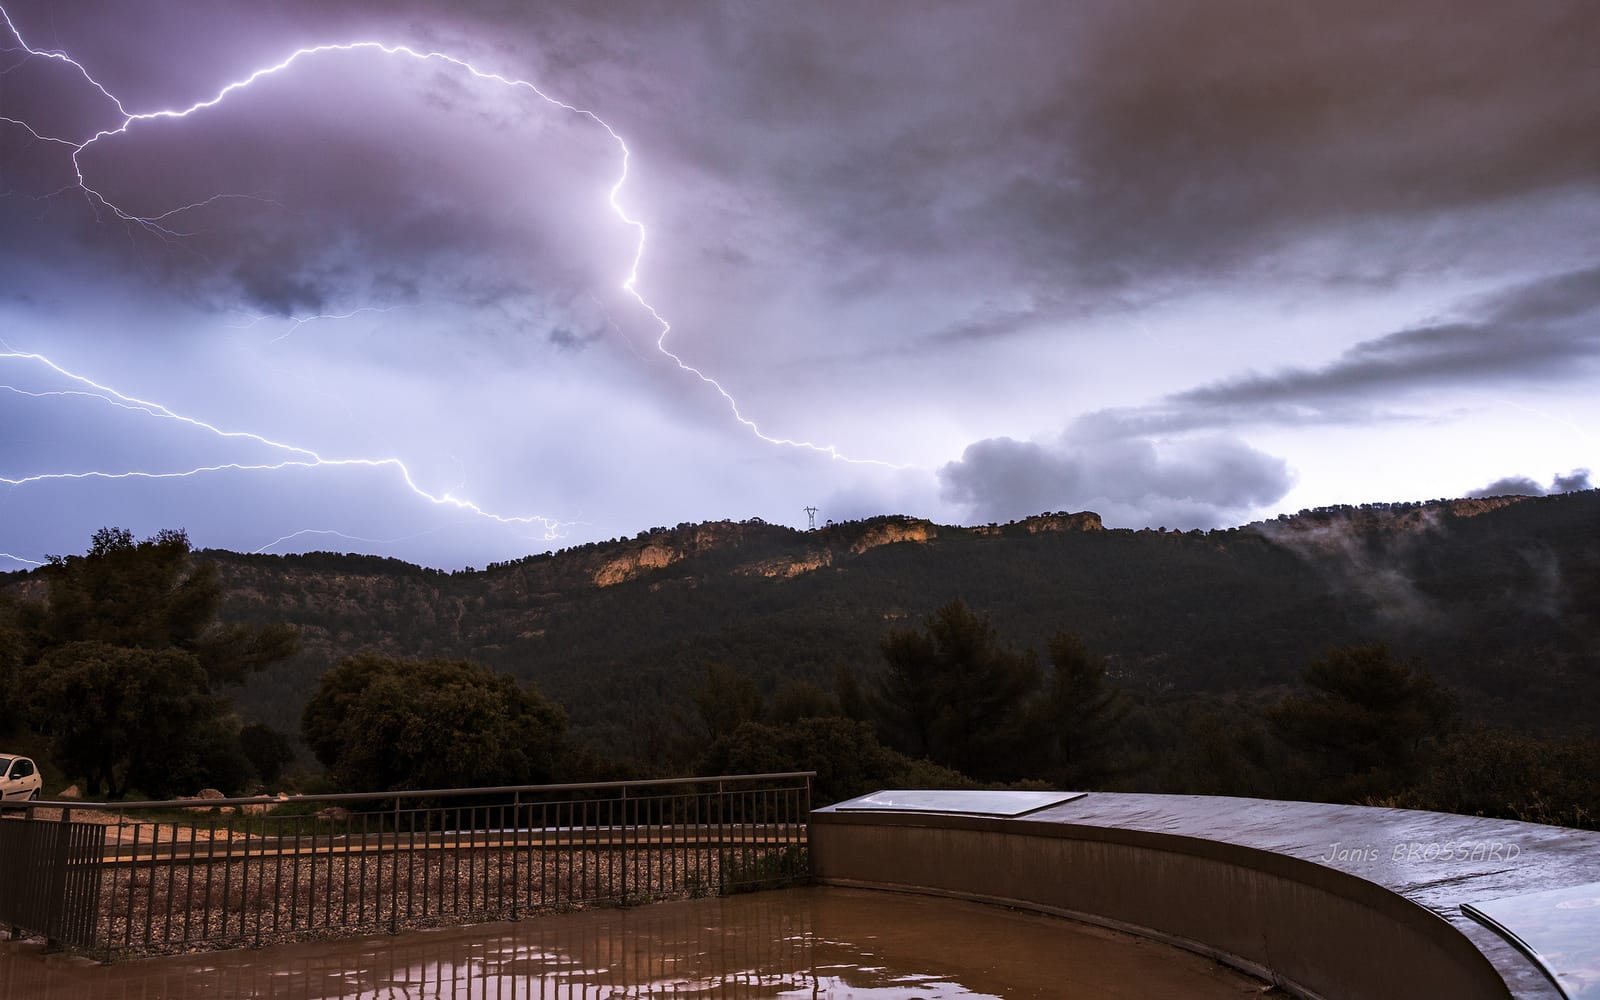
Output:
x=1312 y=929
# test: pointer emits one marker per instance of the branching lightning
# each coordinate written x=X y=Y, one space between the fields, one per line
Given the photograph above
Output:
x=158 y=224
x=296 y=322
x=296 y=456
x=337 y=534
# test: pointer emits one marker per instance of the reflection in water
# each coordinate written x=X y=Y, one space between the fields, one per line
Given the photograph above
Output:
x=816 y=943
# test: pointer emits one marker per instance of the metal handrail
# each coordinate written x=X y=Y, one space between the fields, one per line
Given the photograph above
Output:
x=417 y=793
x=148 y=884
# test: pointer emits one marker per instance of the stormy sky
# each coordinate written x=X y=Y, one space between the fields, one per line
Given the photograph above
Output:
x=1182 y=263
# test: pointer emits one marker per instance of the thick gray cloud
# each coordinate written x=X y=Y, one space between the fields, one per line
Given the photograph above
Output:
x=1577 y=479
x=1133 y=144
x=1543 y=329
x=1203 y=135
x=1538 y=332
x=1203 y=482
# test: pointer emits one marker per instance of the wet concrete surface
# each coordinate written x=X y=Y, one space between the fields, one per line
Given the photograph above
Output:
x=1438 y=860
x=815 y=942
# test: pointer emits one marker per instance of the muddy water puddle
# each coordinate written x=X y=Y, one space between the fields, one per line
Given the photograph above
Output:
x=816 y=943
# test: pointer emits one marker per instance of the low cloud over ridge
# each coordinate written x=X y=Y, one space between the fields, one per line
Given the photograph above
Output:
x=1197 y=482
x=1577 y=479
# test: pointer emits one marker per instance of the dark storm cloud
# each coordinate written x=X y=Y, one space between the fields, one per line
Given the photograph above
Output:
x=277 y=292
x=1204 y=133
x=1108 y=145
x=568 y=340
x=347 y=179
x=1193 y=483
x=1577 y=479
x=1540 y=332
x=1515 y=486
x=1045 y=146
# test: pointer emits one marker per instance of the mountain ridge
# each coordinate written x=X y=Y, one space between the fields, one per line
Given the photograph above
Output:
x=1495 y=595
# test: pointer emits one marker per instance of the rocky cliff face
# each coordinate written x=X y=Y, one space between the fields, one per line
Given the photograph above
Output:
x=801 y=552
x=824 y=548
x=631 y=564
x=783 y=568
x=889 y=532
x=661 y=547
x=1086 y=520
x=1479 y=505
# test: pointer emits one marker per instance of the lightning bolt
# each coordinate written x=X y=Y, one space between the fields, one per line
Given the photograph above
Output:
x=338 y=534
x=296 y=456
x=296 y=322
x=157 y=225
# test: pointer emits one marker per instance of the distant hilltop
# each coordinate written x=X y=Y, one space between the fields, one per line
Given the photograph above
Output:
x=827 y=546
x=1416 y=513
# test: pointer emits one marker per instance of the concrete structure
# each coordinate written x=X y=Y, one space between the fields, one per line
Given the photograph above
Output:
x=1326 y=901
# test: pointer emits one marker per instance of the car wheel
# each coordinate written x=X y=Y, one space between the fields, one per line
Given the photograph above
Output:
x=33 y=795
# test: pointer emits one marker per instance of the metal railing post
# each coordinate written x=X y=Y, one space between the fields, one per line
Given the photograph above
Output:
x=516 y=856
x=624 y=865
x=58 y=882
x=394 y=880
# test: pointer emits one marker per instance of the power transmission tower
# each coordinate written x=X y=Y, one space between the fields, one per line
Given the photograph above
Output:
x=811 y=518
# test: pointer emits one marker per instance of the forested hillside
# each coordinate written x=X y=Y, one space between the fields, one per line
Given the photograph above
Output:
x=1496 y=598
x=1444 y=655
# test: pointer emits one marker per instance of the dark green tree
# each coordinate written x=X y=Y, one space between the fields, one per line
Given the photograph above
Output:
x=1489 y=771
x=149 y=594
x=801 y=699
x=209 y=756
x=267 y=750
x=1083 y=710
x=384 y=724
x=953 y=694
x=11 y=651
x=1364 y=723
x=112 y=711
x=725 y=699
x=123 y=659
x=847 y=757
x=852 y=697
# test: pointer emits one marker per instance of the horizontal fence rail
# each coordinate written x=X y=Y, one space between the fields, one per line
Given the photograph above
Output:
x=132 y=878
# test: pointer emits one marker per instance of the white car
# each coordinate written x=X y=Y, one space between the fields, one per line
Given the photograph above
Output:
x=19 y=779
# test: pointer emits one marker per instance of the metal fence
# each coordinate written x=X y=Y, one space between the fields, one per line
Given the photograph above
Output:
x=126 y=878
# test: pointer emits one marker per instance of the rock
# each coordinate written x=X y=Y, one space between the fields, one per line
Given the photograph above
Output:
x=634 y=564
x=905 y=529
x=334 y=814
x=70 y=792
x=1086 y=520
x=786 y=567
x=206 y=793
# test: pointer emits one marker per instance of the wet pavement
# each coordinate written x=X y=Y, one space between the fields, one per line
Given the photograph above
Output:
x=816 y=942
